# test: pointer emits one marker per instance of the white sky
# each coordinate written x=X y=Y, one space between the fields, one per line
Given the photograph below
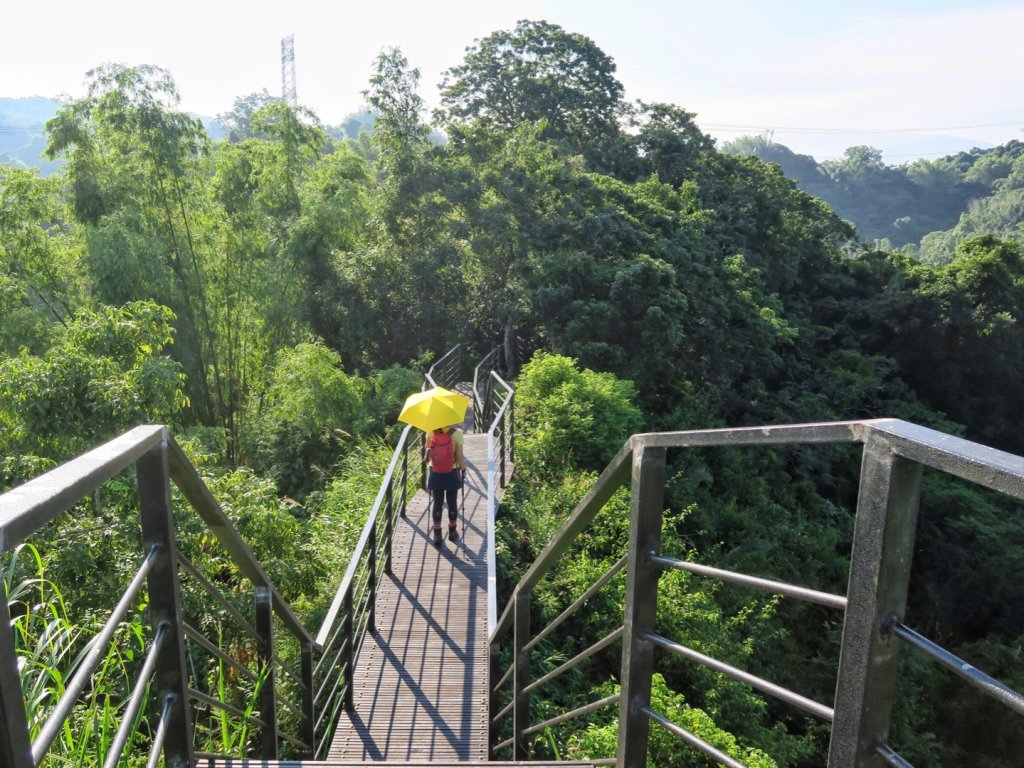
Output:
x=903 y=75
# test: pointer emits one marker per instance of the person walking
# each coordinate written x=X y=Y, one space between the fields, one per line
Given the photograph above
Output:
x=444 y=452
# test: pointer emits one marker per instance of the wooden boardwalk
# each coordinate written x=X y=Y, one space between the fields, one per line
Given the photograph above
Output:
x=420 y=690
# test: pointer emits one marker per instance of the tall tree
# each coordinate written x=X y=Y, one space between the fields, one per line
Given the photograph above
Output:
x=40 y=246
x=539 y=74
x=131 y=162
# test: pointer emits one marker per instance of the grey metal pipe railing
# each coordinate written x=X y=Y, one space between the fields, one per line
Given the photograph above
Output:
x=694 y=741
x=894 y=454
x=502 y=424
x=974 y=676
x=589 y=593
x=767 y=585
x=135 y=701
x=83 y=674
x=779 y=692
x=159 y=462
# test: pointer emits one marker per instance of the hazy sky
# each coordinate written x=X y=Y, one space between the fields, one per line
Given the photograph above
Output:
x=908 y=76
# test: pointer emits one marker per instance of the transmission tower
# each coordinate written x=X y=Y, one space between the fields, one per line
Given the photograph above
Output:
x=288 y=94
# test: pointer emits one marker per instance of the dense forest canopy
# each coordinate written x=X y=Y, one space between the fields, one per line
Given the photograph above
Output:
x=272 y=294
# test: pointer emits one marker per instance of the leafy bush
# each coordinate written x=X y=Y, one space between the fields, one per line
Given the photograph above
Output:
x=103 y=374
x=308 y=411
x=570 y=418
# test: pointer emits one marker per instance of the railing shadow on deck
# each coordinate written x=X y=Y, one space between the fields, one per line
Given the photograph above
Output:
x=894 y=454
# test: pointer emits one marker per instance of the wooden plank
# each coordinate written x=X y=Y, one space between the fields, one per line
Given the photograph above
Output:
x=420 y=683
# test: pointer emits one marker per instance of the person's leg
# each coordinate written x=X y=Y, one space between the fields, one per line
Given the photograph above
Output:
x=453 y=514
x=436 y=513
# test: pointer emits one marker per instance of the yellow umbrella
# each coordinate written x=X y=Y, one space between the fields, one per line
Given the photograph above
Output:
x=435 y=408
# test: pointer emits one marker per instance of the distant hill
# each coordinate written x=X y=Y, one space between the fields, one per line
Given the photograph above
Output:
x=23 y=131
x=927 y=205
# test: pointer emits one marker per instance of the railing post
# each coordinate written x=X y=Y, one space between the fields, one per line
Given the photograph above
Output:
x=512 y=429
x=647 y=503
x=15 y=749
x=165 y=602
x=405 y=471
x=389 y=525
x=883 y=546
x=494 y=675
x=265 y=652
x=372 y=578
x=308 y=705
x=501 y=449
x=488 y=406
x=423 y=463
x=350 y=655
x=521 y=676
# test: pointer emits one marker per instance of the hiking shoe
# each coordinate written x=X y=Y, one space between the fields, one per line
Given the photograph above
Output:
x=453 y=532
x=437 y=536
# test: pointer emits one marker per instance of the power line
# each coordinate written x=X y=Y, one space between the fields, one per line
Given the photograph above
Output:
x=795 y=129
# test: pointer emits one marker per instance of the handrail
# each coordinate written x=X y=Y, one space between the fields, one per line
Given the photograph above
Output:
x=482 y=378
x=159 y=462
x=497 y=428
x=894 y=453
x=444 y=373
x=364 y=537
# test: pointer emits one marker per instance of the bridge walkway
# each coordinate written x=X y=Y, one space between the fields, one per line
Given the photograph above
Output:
x=420 y=690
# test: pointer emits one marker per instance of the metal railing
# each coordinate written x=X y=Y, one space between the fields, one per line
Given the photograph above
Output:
x=894 y=455
x=501 y=448
x=158 y=461
x=323 y=681
x=351 y=614
x=446 y=371
x=483 y=402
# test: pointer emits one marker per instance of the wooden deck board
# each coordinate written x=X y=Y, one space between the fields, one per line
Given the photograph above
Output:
x=420 y=689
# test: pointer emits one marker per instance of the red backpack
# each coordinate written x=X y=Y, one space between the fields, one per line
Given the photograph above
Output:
x=442 y=452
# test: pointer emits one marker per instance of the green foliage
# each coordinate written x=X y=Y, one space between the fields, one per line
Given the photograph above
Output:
x=51 y=646
x=338 y=513
x=39 y=251
x=538 y=74
x=937 y=203
x=103 y=374
x=966 y=360
x=307 y=412
x=596 y=741
x=571 y=418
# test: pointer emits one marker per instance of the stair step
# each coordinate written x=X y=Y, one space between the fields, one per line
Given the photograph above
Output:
x=240 y=763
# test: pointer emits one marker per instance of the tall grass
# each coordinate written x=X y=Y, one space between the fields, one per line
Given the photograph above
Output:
x=50 y=648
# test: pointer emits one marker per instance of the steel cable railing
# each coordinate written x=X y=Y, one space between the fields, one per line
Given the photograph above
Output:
x=894 y=454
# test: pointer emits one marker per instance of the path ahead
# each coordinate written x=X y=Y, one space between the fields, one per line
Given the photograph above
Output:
x=421 y=679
